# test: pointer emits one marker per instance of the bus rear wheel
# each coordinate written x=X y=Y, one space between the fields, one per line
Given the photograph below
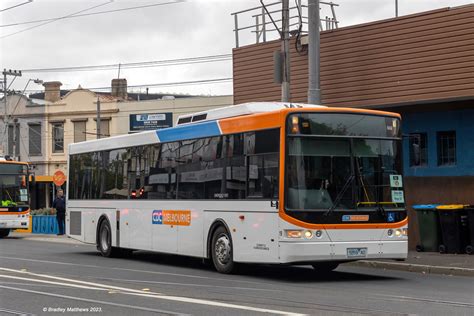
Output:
x=324 y=267
x=222 y=251
x=104 y=240
x=4 y=233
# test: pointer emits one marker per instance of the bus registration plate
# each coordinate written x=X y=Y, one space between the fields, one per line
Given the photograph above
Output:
x=356 y=252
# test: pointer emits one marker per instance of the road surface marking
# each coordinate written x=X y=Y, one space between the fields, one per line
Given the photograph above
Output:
x=193 y=284
x=75 y=298
x=106 y=287
x=122 y=290
x=410 y=298
x=216 y=304
x=134 y=270
x=13 y=312
x=52 y=282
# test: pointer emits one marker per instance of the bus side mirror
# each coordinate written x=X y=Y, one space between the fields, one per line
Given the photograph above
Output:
x=32 y=179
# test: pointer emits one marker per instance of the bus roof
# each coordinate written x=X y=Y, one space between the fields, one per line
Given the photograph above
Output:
x=240 y=110
x=4 y=161
x=227 y=120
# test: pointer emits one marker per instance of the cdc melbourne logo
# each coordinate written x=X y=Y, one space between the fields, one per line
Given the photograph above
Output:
x=157 y=217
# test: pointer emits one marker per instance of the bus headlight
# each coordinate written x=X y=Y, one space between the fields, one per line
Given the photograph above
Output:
x=390 y=232
x=293 y=233
x=319 y=233
x=308 y=234
x=398 y=232
x=405 y=231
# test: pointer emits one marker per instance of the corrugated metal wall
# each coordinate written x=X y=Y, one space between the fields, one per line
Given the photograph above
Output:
x=422 y=57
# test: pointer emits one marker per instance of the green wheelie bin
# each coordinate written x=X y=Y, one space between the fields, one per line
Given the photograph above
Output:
x=454 y=228
x=428 y=226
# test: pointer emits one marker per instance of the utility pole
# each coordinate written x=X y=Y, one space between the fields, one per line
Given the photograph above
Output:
x=285 y=47
x=98 y=118
x=314 y=91
x=396 y=8
x=6 y=73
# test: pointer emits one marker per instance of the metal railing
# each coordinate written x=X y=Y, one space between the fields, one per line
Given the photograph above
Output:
x=262 y=23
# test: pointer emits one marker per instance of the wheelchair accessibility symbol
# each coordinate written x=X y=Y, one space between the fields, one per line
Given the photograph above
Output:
x=391 y=217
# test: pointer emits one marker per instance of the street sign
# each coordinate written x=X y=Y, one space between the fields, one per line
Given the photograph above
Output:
x=59 y=178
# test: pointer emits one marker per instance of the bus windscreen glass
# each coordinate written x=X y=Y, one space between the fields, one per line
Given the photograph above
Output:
x=343 y=166
x=13 y=185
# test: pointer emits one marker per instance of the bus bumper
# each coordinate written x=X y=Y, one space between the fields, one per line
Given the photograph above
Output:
x=296 y=252
x=7 y=222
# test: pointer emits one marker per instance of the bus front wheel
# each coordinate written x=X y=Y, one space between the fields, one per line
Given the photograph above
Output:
x=222 y=252
x=4 y=233
x=104 y=240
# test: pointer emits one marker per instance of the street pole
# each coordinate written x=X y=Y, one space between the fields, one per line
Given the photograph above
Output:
x=5 y=128
x=6 y=73
x=285 y=85
x=98 y=117
x=314 y=91
x=396 y=8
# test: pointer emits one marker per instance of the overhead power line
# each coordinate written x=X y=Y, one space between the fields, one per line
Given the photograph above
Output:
x=162 y=84
x=144 y=64
x=177 y=83
x=93 y=13
x=54 y=20
x=17 y=5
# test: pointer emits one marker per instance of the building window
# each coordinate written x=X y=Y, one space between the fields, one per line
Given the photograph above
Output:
x=104 y=129
x=58 y=138
x=446 y=148
x=418 y=149
x=34 y=139
x=79 y=131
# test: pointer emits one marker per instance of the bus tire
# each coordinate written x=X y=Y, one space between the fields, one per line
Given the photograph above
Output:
x=4 y=233
x=324 y=267
x=222 y=251
x=104 y=240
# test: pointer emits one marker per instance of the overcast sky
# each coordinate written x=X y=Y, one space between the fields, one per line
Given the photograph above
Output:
x=185 y=29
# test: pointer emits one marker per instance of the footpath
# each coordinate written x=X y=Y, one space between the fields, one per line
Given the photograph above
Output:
x=426 y=262
x=421 y=262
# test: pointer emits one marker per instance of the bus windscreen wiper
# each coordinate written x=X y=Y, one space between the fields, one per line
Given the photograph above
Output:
x=340 y=195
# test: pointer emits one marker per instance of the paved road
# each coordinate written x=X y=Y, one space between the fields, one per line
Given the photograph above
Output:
x=39 y=275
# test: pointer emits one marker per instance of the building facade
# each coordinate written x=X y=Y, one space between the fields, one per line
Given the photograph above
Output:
x=39 y=130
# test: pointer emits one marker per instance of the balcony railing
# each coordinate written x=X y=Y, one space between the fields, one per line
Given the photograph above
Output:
x=263 y=23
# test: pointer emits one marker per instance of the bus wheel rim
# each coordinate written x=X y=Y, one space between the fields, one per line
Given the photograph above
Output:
x=104 y=239
x=223 y=249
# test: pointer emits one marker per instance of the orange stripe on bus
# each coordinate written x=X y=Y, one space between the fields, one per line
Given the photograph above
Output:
x=15 y=213
x=334 y=109
x=299 y=223
x=13 y=162
x=250 y=123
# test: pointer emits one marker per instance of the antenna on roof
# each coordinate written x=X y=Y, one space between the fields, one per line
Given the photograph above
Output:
x=118 y=76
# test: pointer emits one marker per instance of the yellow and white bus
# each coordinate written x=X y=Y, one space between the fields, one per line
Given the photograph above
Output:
x=14 y=196
x=257 y=182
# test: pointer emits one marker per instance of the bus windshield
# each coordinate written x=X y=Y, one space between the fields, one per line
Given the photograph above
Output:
x=13 y=185
x=337 y=169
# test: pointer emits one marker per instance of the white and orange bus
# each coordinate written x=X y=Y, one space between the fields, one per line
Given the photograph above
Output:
x=257 y=182
x=14 y=196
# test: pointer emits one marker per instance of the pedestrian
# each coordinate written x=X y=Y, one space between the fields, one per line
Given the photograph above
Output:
x=60 y=205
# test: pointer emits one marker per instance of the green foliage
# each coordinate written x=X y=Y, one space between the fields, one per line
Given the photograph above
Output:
x=43 y=211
